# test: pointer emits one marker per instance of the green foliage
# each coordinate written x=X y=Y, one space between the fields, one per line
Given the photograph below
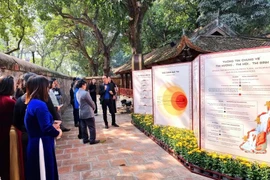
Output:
x=120 y=58
x=71 y=44
x=247 y=17
x=165 y=21
x=16 y=19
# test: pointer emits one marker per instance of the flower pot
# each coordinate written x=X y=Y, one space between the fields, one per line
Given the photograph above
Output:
x=215 y=176
x=225 y=178
x=238 y=178
x=186 y=164
x=197 y=169
x=171 y=151
x=206 y=173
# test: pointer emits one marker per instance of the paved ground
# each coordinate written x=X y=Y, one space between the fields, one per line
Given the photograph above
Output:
x=127 y=154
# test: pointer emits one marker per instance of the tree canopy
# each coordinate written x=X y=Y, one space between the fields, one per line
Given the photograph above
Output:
x=249 y=17
x=90 y=37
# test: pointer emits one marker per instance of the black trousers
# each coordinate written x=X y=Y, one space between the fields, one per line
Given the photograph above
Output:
x=76 y=115
x=114 y=106
x=108 y=103
x=90 y=123
x=77 y=120
x=94 y=98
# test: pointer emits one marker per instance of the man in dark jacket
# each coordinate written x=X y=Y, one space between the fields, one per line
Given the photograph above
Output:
x=107 y=92
x=93 y=93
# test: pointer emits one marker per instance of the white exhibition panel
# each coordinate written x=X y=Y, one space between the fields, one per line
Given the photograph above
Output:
x=172 y=90
x=196 y=98
x=235 y=87
x=142 y=91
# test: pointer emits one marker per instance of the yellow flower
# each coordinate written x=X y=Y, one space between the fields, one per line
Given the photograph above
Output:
x=264 y=165
x=222 y=157
x=248 y=164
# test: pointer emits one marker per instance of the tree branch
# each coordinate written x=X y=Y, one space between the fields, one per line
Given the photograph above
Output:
x=113 y=40
x=19 y=42
x=60 y=62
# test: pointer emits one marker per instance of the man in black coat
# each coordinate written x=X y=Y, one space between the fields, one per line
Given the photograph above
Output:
x=107 y=92
x=93 y=93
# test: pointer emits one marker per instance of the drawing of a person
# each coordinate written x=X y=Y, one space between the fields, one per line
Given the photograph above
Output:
x=256 y=139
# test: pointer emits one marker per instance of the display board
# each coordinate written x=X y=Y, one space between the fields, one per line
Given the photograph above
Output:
x=235 y=95
x=142 y=91
x=172 y=95
x=196 y=98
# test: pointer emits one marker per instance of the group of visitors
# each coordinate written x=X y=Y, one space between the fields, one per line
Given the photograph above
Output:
x=34 y=112
x=85 y=105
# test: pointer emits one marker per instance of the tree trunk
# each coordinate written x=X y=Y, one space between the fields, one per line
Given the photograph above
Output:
x=33 y=56
x=107 y=60
x=42 y=61
x=60 y=62
x=136 y=11
x=92 y=64
x=93 y=69
x=87 y=21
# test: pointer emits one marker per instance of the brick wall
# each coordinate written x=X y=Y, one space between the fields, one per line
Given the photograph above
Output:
x=15 y=67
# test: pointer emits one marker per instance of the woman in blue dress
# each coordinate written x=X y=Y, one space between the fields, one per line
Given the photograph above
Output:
x=41 y=160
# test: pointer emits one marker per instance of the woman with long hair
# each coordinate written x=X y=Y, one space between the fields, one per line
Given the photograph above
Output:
x=6 y=112
x=39 y=123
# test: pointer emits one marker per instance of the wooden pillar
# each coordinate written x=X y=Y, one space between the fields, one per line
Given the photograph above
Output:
x=131 y=85
x=137 y=62
x=122 y=81
x=127 y=84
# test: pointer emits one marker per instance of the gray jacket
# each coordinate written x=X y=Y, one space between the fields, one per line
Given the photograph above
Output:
x=86 y=104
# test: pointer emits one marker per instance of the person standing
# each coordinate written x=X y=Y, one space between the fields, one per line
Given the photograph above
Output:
x=58 y=95
x=71 y=94
x=106 y=92
x=39 y=123
x=86 y=112
x=93 y=93
x=18 y=121
x=57 y=91
x=115 y=96
x=6 y=112
x=18 y=90
x=76 y=108
x=54 y=100
x=19 y=113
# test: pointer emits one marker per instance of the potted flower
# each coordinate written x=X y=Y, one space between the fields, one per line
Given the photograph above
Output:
x=263 y=171
x=195 y=157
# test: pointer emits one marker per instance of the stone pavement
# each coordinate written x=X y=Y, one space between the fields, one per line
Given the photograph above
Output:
x=126 y=154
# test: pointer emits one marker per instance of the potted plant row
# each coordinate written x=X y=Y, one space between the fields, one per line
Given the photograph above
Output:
x=182 y=144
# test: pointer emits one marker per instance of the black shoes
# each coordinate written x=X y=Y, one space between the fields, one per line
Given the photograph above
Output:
x=86 y=141
x=76 y=125
x=79 y=137
x=115 y=125
x=65 y=129
x=95 y=142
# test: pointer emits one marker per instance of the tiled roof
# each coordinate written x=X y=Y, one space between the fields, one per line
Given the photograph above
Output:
x=212 y=27
x=221 y=43
x=203 y=40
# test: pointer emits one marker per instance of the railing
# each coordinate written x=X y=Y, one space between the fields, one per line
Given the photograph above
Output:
x=126 y=92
